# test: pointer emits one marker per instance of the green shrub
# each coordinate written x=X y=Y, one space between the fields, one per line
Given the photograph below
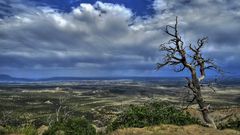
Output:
x=3 y=131
x=151 y=114
x=28 y=130
x=79 y=126
x=233 y=124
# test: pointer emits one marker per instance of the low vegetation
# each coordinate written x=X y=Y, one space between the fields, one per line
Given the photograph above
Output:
x=22 y=130
x=151 y=114
x=77 y=126
x=28 y=111
x=233 y=124
x=149 y=118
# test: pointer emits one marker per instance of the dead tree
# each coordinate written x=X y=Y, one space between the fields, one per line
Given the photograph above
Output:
x=188 y=57
x=62 y=112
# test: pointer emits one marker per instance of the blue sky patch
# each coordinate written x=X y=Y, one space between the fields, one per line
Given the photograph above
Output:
x=139 y=7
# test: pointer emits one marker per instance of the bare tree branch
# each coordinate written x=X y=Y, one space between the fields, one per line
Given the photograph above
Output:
x=193 y=61
x=190 y=102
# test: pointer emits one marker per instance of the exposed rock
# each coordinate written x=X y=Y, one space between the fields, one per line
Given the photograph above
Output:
x=48 y=102
x=42 y=129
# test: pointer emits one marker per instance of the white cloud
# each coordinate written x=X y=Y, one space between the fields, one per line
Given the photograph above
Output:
x=96 y=34
x=160 y=5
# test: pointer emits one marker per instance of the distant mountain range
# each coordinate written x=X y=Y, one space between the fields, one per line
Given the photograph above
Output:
x=7 y=78
x=230 y=80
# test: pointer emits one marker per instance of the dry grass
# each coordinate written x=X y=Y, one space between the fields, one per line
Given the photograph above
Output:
x=175 y=130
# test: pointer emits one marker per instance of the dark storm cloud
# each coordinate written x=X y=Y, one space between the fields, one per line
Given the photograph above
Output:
x=114 y=41
x=10 y=8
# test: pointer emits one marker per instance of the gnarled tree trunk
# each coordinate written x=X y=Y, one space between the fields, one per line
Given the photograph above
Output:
x=204 y=108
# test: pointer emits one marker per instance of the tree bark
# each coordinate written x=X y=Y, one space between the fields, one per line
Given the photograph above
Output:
x=203 y=107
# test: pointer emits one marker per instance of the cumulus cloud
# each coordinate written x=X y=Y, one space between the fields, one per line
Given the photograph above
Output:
x=95 y=37
x=108 y=39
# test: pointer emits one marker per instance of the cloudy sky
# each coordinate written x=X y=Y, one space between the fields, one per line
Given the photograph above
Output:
x=87 y=38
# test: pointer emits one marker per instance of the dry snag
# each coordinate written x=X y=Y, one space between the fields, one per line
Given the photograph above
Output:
x=188 y=57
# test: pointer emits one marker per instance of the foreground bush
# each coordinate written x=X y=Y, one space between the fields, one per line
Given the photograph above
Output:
x=151 y=114
x=233 y=124
x=24 y=130
x=3 y=131
x=28 y=130
x=79 y=126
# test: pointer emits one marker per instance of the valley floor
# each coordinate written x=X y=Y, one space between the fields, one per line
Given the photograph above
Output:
x=101 y=102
